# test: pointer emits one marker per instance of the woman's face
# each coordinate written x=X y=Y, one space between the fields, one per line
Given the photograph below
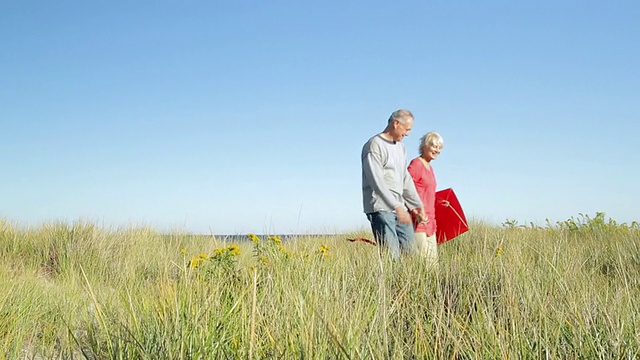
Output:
x=431 y=152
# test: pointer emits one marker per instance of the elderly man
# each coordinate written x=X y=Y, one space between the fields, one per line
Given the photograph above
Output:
x=388 y=189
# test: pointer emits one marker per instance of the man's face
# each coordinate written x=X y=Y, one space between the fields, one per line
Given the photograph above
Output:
x=401 y=130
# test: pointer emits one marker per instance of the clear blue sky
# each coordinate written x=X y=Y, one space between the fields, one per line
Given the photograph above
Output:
x=230 y=117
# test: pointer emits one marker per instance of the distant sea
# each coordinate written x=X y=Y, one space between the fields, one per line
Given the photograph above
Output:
x=284 y=237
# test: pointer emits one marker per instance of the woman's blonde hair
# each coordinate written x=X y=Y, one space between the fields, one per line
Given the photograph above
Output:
x=430 y=139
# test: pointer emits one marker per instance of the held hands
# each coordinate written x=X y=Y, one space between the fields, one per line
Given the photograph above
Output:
x=421 y=217
x=405 y=218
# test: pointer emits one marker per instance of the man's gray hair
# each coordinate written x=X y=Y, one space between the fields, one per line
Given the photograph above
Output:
x=401 y=115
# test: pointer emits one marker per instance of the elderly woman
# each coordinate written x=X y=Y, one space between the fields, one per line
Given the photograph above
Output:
x=425 y=181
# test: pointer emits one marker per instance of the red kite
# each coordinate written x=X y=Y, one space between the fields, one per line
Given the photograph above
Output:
x=450 y=219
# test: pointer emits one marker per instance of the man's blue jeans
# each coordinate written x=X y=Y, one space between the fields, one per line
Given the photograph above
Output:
x=389 y=233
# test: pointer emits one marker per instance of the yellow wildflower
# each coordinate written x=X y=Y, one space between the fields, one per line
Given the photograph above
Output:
x=184 y=251
x=498 y=251
x=324 y=250
x=195 y=262
x=234 y=250
x=254 y=238
x=275 y=239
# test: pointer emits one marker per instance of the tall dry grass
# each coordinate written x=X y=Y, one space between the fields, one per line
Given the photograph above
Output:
x=79 y=291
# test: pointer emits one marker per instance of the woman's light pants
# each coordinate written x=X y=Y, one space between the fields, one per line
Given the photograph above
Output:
x=427 y=247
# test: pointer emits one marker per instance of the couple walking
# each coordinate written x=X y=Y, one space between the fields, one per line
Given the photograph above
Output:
x=399 y=201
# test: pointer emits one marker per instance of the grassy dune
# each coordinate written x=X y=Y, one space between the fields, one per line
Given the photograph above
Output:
x=569 y=290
